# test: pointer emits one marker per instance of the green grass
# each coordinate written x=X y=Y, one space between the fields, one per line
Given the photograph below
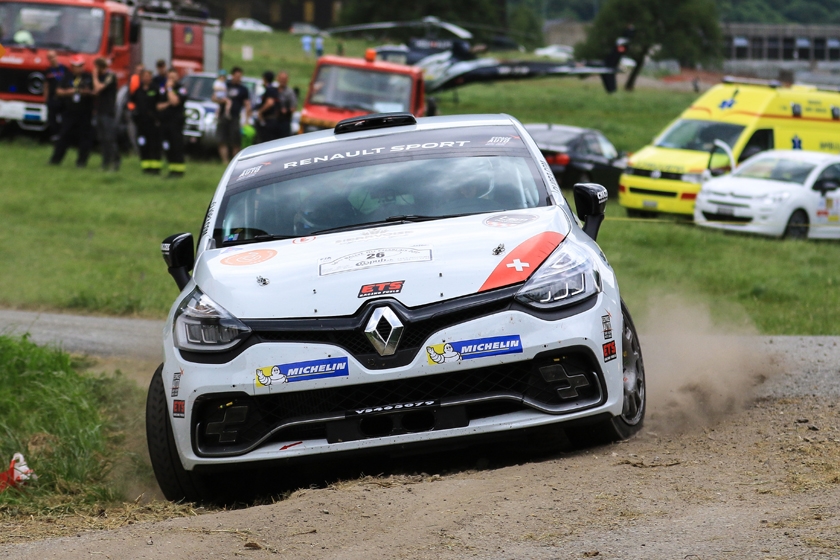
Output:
x=89 y=242
x=70 y=427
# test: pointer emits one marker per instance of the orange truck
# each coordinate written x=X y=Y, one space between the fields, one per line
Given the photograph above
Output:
x=343 y=87
x=128 y=35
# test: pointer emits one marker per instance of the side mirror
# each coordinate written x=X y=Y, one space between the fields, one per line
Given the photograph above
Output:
x=590 y=201
x=826 y=185
x=179 y=253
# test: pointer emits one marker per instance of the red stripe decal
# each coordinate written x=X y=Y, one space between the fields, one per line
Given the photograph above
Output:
x=518 y=265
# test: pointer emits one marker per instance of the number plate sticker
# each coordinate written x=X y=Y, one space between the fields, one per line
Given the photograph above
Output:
x=374 y=257
x=650 y=203
x=726 y=211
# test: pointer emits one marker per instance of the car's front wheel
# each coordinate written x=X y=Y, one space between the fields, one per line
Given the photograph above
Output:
x=176 y=483
x=797 y=226
x=634 y=394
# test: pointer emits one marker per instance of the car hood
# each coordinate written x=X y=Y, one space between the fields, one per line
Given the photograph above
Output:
x=747 y=188
x=673 y=161
x=415 y=263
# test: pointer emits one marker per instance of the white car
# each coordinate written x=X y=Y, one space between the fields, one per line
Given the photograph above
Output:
x=781 y=193
x=248 y=24
x=396 y=282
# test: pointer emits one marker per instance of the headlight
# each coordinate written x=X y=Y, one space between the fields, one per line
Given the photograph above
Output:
x=205 y=326
x=692 y=178
x=774 y=198
x=567 y=276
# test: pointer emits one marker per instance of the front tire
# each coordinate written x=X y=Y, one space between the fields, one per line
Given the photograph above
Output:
x=176 y=483
x=797 y=226
x=634 y=405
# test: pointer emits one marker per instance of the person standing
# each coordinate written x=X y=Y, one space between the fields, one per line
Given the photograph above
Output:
x=306 y=43
x=319 y=46
x=105 y=90
x=229 y=127
x=269 y=110
x=161 y=76
x=77 y=90
x=170 y=107
x=288 y=105
x=146 y=120
x=55 y=75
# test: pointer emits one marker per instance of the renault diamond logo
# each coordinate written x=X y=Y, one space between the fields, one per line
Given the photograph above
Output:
x=384 y=331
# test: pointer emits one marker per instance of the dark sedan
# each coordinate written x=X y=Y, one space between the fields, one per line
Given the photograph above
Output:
x=579 y=155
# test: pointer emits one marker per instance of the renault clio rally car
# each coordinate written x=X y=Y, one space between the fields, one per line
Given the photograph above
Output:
x=391 y=282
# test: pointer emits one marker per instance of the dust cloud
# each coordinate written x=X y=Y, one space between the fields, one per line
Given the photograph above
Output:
x=698 y=370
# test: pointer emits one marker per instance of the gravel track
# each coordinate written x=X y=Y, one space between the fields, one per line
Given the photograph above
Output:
x=757 y=478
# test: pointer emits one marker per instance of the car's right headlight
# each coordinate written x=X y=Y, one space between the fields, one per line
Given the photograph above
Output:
x=567 y=276
x=202 y=325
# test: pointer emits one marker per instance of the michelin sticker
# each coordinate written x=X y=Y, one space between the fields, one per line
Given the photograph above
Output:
x=374 y=257
x=477 y=348
x=509 y=220
x=301 y=371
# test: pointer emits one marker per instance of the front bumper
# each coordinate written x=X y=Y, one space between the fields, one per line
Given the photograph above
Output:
x=657 y=195
x=223 y=415
x=30 y=116
x=729 y=213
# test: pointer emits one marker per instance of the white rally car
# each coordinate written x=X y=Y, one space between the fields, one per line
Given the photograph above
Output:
x=394 y=282
x=781 y=193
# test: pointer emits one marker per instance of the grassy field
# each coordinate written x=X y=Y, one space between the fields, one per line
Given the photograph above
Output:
x=88 y=242
x=72 y=429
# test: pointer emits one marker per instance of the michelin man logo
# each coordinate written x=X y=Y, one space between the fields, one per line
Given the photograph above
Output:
x=448 y=355
x=274 y=376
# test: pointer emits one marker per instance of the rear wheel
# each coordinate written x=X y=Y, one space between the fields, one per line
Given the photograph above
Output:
x=176 y=483
x=634 y=402
x=797 y=226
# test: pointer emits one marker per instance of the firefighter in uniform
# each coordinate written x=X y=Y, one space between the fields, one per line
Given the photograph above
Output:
x=170 y=107
x=145 y=117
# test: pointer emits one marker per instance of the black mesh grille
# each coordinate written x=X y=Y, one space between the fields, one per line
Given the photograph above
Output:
x=15 y=81
x=712 y=217
x=651 y=192
x=648 y=172
x=383 y=328
x=268 y=411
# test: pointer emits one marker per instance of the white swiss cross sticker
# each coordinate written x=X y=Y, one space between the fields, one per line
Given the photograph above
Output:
x=518 y=265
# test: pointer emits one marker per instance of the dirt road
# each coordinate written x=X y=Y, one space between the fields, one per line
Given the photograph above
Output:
x=740 y=458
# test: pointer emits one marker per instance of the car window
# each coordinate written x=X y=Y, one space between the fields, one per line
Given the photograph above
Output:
x=380 y=92
x=199 y=88
x=313 y=188
x=607 y=149
x=776 y=169
x=831 y=172
x=552 y=136
x=698 y=135
x=592 y=145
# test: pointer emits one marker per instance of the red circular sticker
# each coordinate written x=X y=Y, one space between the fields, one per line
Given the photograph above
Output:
x=250 y=257
x=300 y=240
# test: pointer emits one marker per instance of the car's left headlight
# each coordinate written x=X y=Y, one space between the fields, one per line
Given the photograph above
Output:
x=202 y=325
x=566 y=277
x=774 y=198
x=696 y=178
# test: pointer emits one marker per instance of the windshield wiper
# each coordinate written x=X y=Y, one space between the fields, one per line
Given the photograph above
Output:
x=258 y=239
x=391 y=220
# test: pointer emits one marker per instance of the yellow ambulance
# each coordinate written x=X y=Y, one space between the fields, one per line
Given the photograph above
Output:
x=748 y=117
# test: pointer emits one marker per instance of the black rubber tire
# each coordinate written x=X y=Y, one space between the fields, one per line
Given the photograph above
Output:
x=176 y=483
x=632 y=418
x=797 y=226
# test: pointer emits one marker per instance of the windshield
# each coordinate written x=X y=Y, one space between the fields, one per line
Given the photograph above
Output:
x=367 y=90
x=200 y=88
x=431 y=188
x=51 y=26
x=699 y=135
x=555 y=137
x=776 y=169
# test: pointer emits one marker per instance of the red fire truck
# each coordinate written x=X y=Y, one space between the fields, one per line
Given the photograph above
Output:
x=344 y=87
x=180 y=34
